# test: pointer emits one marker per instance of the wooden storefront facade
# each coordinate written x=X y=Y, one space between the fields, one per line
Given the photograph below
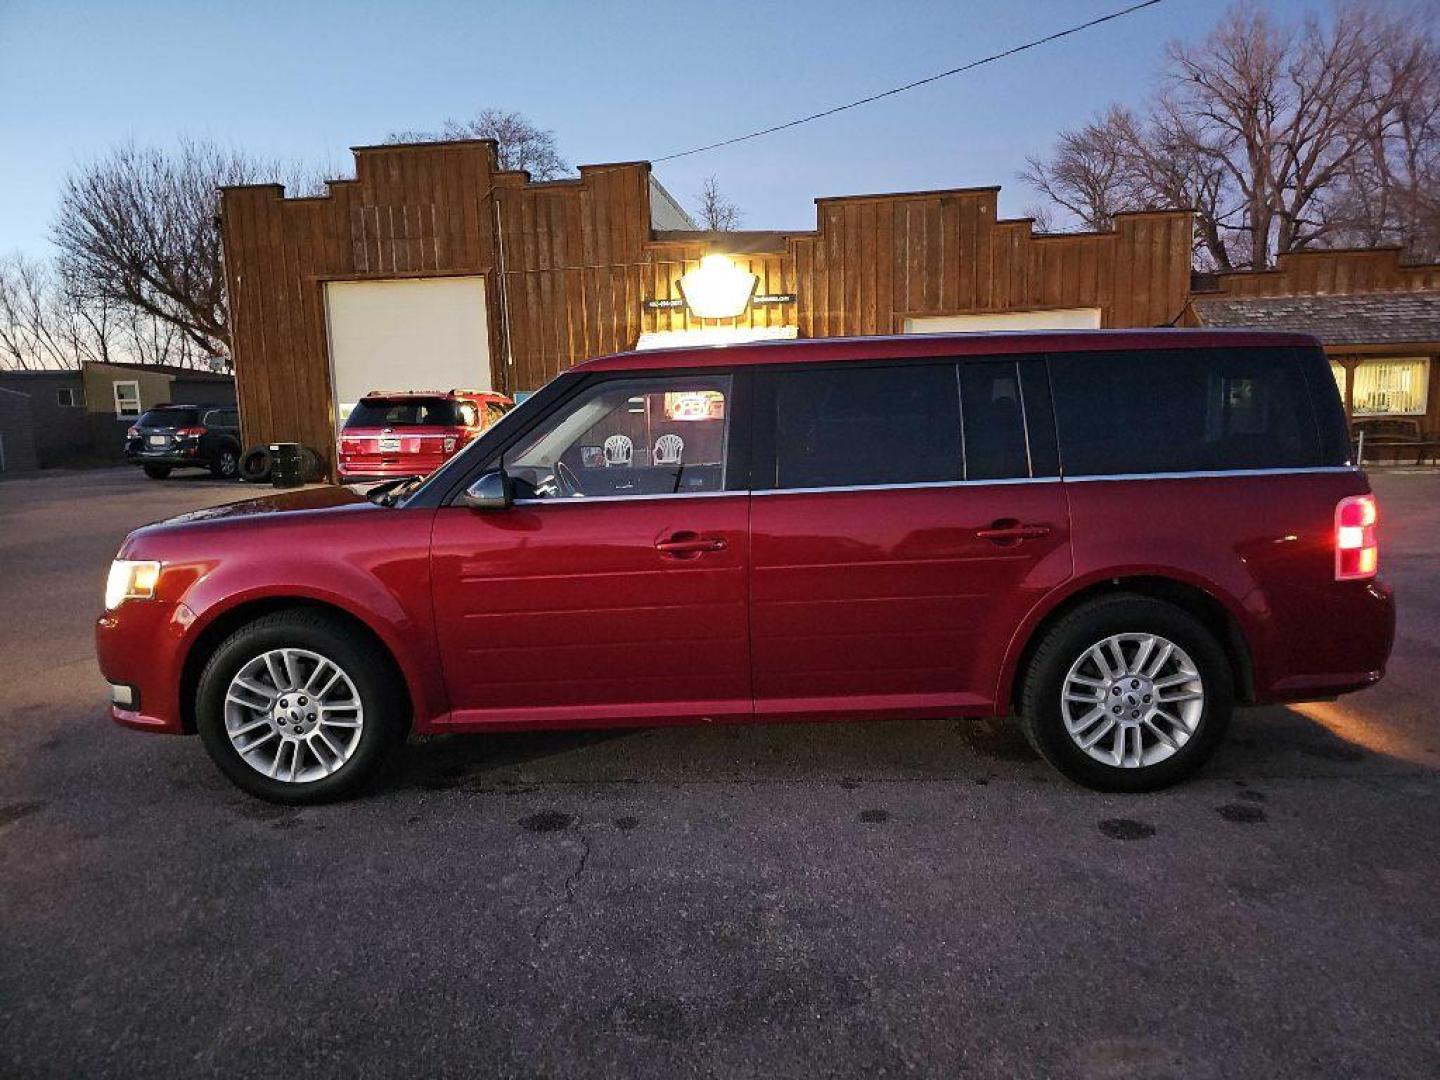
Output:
x=569 y=266
x=577 y=268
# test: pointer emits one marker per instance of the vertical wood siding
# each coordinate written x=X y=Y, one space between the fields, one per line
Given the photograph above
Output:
x=579 y=261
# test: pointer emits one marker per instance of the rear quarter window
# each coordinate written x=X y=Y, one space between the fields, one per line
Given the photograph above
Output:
x=1184 y=410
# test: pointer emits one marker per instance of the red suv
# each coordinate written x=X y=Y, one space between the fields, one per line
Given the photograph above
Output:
x=1118 y=535
x=411 y=433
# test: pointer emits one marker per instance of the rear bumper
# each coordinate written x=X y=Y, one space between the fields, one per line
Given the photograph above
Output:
x=357 y=472
x=1344 y=648
x=168 y=457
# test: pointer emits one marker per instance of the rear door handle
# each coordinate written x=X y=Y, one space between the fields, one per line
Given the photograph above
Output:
x=1012 y=532
x=683 y=544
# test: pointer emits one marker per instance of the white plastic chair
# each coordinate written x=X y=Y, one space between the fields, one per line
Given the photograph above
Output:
x=669 y=449
x=619 y=451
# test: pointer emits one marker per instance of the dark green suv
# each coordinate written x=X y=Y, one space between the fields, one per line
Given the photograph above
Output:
x=186 y=437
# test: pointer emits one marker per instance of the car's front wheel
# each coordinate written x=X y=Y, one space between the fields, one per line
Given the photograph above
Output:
x=1127 y=693
x=296 y=708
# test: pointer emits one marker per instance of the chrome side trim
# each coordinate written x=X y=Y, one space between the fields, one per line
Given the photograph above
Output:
x=1212 y=475
x=909 y=487
x=582 y=500
x=940 y=484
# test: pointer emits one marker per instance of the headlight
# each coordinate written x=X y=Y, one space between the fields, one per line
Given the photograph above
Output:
x=130 y=580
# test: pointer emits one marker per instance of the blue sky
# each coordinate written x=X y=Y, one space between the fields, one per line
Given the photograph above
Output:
x=615 y=81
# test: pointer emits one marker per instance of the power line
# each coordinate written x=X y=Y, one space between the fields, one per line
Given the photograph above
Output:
x=911 y=86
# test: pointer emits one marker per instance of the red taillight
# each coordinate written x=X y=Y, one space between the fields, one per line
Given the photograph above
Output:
x=133 y=433
x=1357 y=551
x=189 y=432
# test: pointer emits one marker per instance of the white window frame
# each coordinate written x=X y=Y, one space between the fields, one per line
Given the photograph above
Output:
x=69 y=397
x=120 y=407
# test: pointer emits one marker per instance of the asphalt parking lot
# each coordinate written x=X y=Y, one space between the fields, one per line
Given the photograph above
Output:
x=913 y=898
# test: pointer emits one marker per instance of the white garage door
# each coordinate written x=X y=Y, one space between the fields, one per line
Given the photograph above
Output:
x=1052 y=319
x=426 y=334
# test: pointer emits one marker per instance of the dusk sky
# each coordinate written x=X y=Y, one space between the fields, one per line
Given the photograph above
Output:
x=615 y=81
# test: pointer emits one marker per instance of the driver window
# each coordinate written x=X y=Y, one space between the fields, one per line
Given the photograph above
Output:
x=652 y=436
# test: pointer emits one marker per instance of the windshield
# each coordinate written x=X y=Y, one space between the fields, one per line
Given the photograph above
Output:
x=406 y=412
x=169 y=418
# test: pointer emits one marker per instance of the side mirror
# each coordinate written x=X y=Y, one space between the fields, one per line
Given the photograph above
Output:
x=491 y=491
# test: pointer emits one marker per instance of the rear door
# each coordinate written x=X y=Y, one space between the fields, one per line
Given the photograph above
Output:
x=615 y=588
x=904 y=519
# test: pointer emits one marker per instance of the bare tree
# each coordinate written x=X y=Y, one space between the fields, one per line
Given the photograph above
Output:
x=1085 y=174
x=717 y=213
x=1257 y=128
x=139 y=228
x=1042 y=218
x=1390 y=191
x=48 y=321
x=522 y=145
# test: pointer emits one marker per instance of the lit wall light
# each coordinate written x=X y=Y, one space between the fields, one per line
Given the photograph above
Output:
x=717 y=288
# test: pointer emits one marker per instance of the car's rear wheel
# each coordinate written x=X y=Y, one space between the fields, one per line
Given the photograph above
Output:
x=296 y=708
x=156 y=472
x=1127 y=694
x=226 y=465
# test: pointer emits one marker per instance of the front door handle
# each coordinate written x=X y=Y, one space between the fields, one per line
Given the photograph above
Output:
x=1010 y=531
x=682 y=545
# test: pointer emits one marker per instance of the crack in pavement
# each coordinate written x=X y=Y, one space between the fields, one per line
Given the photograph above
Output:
x=570 y=881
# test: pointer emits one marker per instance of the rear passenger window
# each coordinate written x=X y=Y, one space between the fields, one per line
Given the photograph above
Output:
x=995 y=447
x=1182 y=410
x=865 y=426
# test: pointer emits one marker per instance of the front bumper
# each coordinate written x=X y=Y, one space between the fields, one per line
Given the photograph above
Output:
x=140 y=645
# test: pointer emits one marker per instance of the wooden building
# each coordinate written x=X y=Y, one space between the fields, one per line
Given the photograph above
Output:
x=433 y=269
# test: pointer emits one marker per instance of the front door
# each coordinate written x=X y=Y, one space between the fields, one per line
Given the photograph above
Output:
x=893 y=556
x=616 y=587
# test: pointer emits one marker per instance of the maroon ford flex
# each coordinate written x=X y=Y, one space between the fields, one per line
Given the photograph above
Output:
x=1118 y=535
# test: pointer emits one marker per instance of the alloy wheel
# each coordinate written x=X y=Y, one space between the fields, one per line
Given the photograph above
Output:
x=1132 y=700
x=293 y=715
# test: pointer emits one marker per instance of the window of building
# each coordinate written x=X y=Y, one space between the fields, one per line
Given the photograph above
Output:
x=1337 y=371
x=660 y=435
x=1398 y=387
x=69 y=397
x=1183 y=410
x=127 y=399
x=863 y=426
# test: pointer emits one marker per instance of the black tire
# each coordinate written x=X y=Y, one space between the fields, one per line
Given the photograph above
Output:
x=1041 y=717
x=380 y=690
x=255 y=465
x=312 y=465
x=226 y=465
x=156 y=472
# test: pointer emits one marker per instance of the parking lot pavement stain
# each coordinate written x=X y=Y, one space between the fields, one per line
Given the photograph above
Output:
x=874 y=817
x=1126 y=829
x=1253 y=796
x=1241 y=814
x=547 y=821
x=625 y=824
x=13 y=812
